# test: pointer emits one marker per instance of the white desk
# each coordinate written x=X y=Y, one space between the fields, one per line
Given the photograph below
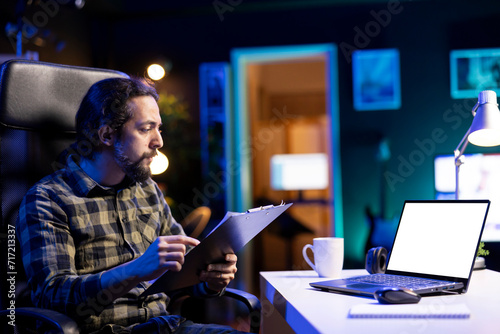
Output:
x=290 y=305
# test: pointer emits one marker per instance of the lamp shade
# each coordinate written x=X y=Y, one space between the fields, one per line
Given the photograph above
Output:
x=485 y=127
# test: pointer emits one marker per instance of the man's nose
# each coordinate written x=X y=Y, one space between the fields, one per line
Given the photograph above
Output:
x=157 y=141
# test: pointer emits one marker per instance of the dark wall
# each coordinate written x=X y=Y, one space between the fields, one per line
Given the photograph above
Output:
x=423 y=31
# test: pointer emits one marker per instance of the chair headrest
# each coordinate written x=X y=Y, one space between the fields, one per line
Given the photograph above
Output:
x=42 y=96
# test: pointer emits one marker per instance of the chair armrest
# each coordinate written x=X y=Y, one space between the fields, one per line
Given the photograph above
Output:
x=60 y=322
x=251 y=302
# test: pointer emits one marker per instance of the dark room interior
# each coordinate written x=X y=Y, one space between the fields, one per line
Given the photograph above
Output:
x=384 y=155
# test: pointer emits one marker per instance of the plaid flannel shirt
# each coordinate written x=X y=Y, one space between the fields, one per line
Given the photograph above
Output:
x=71 y=230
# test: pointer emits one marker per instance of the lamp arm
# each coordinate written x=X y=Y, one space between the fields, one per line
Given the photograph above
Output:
x=459 y=160
x=475 y=108
x=460 y=151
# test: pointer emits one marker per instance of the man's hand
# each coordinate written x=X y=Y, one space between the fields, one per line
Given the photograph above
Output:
x=218 y=275
x=165 y=253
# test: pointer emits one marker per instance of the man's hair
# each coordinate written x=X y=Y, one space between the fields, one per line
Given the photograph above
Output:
x=106 y=104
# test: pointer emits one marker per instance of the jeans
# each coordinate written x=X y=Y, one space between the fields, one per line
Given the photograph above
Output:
x=178 y=325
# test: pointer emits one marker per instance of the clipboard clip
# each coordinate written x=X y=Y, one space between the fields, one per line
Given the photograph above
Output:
x=260 y=208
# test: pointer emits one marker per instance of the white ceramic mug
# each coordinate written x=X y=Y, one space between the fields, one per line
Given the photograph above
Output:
x=328 y=256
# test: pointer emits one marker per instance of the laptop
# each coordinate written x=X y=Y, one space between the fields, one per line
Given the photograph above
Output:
x=435 y=244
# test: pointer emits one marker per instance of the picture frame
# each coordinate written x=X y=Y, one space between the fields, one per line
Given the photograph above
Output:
x=376 y=79
x=474 y=70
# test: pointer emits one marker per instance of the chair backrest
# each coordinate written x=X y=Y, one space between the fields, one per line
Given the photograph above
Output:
x=38 y=104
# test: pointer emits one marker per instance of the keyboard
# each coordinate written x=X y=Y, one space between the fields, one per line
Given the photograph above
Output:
x=413 y=283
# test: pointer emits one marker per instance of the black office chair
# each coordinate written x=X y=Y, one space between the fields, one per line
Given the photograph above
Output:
x=38 y=103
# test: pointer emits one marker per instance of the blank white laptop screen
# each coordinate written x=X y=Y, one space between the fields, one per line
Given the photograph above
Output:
x=448 y=233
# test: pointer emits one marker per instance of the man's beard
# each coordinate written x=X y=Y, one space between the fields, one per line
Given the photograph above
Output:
x=137 y=171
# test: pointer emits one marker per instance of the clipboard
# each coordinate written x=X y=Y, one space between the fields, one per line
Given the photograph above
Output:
x=233 y=232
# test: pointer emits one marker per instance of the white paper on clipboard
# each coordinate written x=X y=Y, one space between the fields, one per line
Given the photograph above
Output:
x=229 y=236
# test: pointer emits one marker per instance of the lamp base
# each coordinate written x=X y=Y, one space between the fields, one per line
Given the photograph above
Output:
x=479 y=263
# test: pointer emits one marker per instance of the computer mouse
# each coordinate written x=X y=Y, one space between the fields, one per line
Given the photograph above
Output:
x=396 y=296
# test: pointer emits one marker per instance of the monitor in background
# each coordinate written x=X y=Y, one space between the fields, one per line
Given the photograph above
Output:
x=479 y=179
x=299 y=171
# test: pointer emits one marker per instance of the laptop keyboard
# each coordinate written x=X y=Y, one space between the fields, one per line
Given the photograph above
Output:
x=413 y=283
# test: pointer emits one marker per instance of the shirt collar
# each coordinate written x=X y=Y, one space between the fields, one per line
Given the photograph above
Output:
x=85 y=186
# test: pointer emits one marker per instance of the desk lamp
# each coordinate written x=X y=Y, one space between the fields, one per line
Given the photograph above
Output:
x=484 y=130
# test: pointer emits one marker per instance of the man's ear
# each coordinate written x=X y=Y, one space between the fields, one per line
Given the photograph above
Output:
x=106 y=135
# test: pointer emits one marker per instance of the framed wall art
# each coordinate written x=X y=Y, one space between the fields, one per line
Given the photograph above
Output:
x=376 y=79
x=474 y=70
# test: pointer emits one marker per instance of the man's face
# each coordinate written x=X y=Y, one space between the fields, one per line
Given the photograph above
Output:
x=140 y=138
